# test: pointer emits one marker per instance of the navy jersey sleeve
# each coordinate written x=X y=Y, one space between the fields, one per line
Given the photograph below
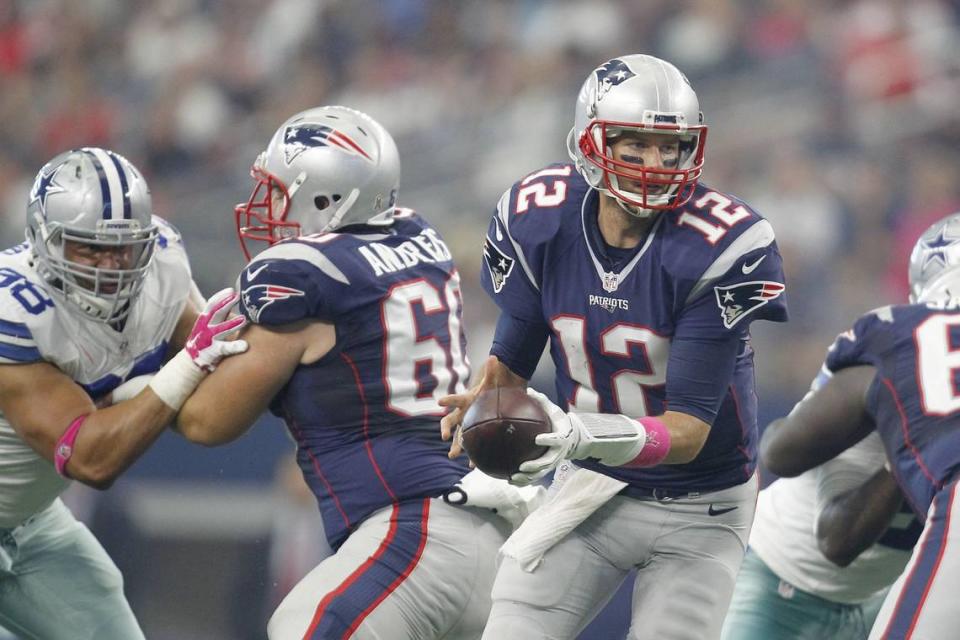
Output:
x=699 y=373
x=517 y=243
x=287 y=283
x=752 y=288
x=505 y=274
x=859 y=345
x=744 y=283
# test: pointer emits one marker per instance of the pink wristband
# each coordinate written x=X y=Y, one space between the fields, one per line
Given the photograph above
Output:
x=64 y=447
x=657 y=446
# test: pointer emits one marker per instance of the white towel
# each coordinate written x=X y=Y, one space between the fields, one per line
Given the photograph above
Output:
x=575 y=494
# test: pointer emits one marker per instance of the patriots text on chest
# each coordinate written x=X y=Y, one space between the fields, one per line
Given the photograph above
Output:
x=425 y=247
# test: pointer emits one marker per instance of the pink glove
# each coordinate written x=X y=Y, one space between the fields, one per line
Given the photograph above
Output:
x=205 y=344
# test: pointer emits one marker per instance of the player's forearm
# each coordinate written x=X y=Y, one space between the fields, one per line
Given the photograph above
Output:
x=109 y=440
x=210 y=422
x=855 y=520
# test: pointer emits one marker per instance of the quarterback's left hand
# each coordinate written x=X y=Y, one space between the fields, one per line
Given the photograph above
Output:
x=206 y=344
x=560 y=443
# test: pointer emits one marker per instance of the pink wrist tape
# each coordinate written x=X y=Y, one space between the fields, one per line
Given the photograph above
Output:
x=657 y=446
x=64 y=447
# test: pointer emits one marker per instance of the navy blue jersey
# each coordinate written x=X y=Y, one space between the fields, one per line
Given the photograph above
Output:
x=703 y=274
x=915 y=398
x=365 y=416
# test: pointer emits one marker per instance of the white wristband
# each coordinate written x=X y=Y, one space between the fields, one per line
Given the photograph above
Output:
x=176 y=380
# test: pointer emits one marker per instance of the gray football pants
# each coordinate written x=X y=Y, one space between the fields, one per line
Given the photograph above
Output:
x=687 y=562
x=421 y=570
x=57 y=582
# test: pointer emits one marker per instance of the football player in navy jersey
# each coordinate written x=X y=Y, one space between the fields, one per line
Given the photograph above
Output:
x=895 y=372
x=355 y=333
x=644 y=281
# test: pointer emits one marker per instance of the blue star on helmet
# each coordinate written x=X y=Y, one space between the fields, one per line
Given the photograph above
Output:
x=43 y=186
x=935 y=250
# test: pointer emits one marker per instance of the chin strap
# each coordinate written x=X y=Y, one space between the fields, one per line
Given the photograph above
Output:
x=636 y=212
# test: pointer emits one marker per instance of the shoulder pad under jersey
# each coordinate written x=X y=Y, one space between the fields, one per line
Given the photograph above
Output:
x=721 y=249
x=539 y=212
x=287 y=282
x=25 y=306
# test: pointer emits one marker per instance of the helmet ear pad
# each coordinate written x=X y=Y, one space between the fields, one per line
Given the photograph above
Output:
x=95 y=198
x=638 y=94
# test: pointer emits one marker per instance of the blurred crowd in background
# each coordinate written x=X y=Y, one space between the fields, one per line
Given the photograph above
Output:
x=837 y=120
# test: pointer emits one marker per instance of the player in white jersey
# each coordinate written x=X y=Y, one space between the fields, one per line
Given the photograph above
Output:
x=824 y=548
x=99 y=294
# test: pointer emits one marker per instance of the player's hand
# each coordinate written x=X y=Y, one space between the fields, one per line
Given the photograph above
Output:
x=450 y=424
x=206 y=344
x=561 y=443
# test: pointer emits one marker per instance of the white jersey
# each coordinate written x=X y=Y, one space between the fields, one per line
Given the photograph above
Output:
x=784 y=529
x=34 y=327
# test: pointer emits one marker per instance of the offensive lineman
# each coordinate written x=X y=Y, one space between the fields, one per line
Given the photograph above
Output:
x=645 y=281
x=895 y=372
x=99 y=294
x=355 y=332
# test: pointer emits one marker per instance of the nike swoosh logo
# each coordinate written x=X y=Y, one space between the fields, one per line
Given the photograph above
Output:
x=252 y=273
x=717 y=512
x=748 y=268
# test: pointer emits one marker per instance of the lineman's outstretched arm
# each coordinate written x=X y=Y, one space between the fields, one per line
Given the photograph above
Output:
x=826 y=422
x=56 y=417
x=230 y=400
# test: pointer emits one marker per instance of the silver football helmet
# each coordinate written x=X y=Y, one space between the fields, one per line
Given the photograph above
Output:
x=96 y=199
x=630 y=94
x=935 y=262
x=324 y=169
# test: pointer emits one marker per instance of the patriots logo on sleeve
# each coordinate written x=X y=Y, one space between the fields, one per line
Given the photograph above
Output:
x=258 y=297
x=498 y=263
x=736 y=301
x=610 y=75
x=300 y=137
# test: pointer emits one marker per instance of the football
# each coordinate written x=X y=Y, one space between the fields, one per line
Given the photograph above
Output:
x=500 y=428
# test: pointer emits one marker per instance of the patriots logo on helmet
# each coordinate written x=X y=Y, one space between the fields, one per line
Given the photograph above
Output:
x=43 y=186
x=258 y=297
x=300 y=137
x=737 y=300
x=498 y=263
x=610 y=75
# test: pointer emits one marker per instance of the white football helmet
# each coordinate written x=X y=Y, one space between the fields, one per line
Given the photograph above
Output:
x=638 y=93
x=95 y=197
x=935 y=262
x=324 y=169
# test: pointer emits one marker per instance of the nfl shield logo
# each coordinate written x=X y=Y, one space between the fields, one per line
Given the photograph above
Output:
x=611 y=282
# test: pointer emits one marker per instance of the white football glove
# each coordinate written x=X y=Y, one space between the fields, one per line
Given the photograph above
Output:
x=477 y=489
x=613 y=439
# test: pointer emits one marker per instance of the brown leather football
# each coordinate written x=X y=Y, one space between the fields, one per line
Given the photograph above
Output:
x=500 y=428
